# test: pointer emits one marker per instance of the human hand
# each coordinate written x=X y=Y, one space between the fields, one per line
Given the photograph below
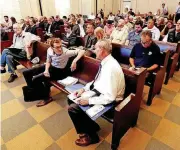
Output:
x=79 y=92
x=46 y=73
x=73 y=66
x=83 y=102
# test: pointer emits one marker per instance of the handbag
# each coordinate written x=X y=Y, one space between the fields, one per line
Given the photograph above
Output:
x=17 y=53
x=33 y=94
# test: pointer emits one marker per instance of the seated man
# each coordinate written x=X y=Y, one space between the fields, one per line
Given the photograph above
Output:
x=49 y=29
x=20 y=49
x=89 y=40
x=109 y=86
x=145 y=54
x=56 y=68
x=155 y=31
x=129 y=24
x=134 y=36
x=79 y=28
x=98 y=23
x=33 y=28
x=160 y=23
x=174 y=35
x=69 y=39
x=120 y=33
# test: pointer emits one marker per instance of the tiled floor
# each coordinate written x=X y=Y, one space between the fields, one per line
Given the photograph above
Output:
x=26 y=127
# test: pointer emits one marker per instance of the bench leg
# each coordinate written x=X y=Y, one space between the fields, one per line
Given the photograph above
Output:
x=166 y=79
x=150 y=96
x=134 y=122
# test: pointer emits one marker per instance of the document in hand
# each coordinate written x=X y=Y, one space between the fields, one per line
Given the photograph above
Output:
x=68 y=81
x=85 y=95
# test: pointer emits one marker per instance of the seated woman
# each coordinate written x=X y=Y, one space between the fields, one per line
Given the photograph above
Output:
x=56 y=68
x=68 y=38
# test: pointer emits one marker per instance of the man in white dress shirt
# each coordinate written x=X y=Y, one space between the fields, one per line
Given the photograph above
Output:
x=109 y=86
x=154 y=30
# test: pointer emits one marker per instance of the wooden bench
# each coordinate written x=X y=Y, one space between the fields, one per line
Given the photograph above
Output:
x=5 y=44
x=121 y=54
x=40 y=33
x=178 y=51
x=173 y=59
x=126 y=113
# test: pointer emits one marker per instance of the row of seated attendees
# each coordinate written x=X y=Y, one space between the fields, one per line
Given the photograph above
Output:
x=109 y=84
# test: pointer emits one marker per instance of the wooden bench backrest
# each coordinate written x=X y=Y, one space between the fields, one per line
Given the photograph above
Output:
x=40 y=34
x=40 y=50
x=5 y=44
x=10 y=36
x=87 y=69
x=121 y=53
x=167 y=46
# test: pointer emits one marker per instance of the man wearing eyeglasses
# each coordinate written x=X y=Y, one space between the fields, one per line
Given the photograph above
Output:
x=58 y=66
x=145 y=54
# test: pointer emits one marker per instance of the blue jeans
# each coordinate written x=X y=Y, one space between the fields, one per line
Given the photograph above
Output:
x=7 y=59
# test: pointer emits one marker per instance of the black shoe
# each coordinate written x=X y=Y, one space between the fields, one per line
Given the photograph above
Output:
x=12 y=78
x=3 y=71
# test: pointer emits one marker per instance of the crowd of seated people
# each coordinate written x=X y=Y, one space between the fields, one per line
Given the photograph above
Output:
x=120 y=28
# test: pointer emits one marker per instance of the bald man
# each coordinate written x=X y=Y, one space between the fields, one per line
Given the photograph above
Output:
x=120 y=33
x=20 y=49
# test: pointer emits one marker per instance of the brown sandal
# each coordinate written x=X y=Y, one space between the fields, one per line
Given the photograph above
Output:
x=44 y=102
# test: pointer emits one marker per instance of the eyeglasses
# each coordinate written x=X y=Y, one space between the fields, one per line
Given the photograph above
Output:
x=57 y=47
x=146 y=43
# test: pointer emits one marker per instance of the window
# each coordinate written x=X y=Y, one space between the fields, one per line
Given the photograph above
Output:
x=10 y=8
x=62 y=7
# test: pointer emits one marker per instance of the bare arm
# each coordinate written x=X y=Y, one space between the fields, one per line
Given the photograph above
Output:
x=152 y=67
x=80 y=54
x=127 y=42
x=131 y=61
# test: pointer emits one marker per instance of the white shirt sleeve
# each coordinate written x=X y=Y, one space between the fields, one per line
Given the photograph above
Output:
x=165 y=38
x=157 y=35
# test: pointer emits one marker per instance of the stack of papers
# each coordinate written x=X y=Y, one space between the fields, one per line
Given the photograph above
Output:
x=68 y=81
x=73 y=88
x=94 y=110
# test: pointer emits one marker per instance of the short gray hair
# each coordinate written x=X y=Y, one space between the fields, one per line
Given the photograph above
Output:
x=105 y=45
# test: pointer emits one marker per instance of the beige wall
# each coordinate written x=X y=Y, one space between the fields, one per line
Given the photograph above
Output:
x=29 y=8
x=152 y=5
x=83 y=6
x=109 y=6
x=48 y=8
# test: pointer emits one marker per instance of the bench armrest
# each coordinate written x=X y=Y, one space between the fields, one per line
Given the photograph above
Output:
x=175 y=55
x=125 y=102
x=5 y=44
